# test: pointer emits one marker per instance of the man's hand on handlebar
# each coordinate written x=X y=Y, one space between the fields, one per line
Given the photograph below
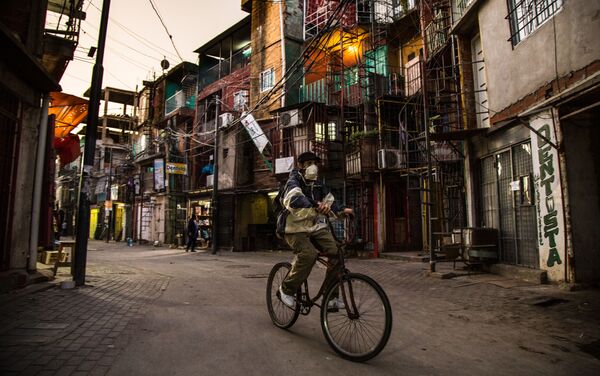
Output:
x=323 y=208
x=349 y=212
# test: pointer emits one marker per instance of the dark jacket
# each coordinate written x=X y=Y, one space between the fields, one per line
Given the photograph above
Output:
x=192 y=229
x=300 y=198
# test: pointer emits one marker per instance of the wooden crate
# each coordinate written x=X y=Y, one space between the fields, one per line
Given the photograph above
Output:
x=49 y=257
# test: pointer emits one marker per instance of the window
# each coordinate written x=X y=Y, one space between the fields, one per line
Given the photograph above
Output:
x=525 y=16
x=320 y=132
x=240 y=100
x=332 y=131
x=267 y=80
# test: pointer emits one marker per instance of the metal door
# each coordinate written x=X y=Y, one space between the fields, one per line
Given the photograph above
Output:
x=507 y=204
x=525 y=213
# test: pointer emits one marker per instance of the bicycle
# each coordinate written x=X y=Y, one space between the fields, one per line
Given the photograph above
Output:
x=358 y=331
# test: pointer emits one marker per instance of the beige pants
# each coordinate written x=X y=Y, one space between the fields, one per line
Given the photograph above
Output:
x=305 y=256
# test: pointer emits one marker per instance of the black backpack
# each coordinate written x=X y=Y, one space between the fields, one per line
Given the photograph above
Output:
x=281 y=212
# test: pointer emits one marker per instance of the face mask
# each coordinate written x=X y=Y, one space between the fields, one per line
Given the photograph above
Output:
x=311 y=172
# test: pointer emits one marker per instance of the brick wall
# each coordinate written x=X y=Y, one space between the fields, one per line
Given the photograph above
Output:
x=546 y=91
x=266 y=51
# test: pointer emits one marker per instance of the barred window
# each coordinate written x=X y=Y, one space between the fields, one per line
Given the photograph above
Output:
x=320 y=132
x=267 y=80
x=240 y=100
x=525 y=16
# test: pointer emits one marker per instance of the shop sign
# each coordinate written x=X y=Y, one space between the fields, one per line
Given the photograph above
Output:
x=176 y=168
x=549 y=204
x=159 y=174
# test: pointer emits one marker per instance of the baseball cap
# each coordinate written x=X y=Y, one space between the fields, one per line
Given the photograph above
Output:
x=308 y=156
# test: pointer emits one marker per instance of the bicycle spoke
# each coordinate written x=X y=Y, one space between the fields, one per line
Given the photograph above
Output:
x=281 y=315
x=358 y=334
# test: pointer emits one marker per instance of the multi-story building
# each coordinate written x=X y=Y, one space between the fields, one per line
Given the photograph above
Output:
x=223 y=95
x=161 y=154
x=530 y=74
x=110 y=179
x=35 y=52
x=353 y=68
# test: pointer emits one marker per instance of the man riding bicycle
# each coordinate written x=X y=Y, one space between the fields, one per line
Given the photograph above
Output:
x=305 y=225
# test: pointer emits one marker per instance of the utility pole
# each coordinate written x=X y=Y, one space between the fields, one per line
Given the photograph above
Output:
x=83 y=207
x=215 y=193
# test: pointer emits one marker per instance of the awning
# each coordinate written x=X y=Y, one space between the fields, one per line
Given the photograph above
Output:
x=69 y=110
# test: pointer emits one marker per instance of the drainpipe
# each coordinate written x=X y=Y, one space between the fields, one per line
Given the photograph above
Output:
x=283 y=65
x=37 y=186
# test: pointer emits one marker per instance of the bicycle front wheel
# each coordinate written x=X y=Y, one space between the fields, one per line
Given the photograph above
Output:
x=281 y=315
x=361 y=329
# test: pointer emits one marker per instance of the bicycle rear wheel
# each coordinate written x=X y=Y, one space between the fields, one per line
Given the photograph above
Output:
x=361 y=330
x=281 y=315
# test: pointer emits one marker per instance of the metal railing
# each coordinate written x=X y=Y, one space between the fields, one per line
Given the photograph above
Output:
x=525 y=16
x=460 y=7
x=357 y=12
x=224 y=68
x=366 y=86
x=413 y=77
x=180 y=99
x=436 y=33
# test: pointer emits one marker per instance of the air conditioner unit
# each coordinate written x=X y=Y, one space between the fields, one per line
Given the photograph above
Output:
x=291 y=118
x=390 y=159
x=225 y=120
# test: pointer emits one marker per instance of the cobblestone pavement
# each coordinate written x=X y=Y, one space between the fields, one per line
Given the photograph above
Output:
x=77 y=331
x=470 y=324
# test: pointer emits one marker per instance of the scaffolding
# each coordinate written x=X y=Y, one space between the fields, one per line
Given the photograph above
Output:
x=362 y=66
x=412 y=109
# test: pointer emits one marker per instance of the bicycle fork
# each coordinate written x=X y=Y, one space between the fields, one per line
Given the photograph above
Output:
x=349 y=302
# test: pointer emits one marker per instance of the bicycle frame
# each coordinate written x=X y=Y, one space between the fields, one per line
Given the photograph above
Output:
x=306 y=302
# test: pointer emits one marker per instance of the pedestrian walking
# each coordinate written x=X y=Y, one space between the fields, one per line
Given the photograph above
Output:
x=192 y=231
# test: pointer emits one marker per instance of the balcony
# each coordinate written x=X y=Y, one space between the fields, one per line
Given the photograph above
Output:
x=224 y=67
x=363 y=158
x=436 y=33
x=413 y=77
x=460 y=7
x=61 y=35
x=181 y=102
x=318 y=13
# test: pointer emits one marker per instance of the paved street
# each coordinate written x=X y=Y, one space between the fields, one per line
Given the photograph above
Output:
x=158 y=311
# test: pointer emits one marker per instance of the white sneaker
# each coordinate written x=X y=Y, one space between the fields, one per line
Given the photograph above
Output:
x=337 y=303
x=288 y=300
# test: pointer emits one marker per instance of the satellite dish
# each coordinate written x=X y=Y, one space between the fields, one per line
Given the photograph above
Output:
x=164 y=64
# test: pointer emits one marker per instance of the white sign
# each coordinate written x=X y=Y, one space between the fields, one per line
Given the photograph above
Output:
x=255 y=132
x=548 y=190
x=114 y=192
x=284 y=165
x=159 y=174
x=515 y=185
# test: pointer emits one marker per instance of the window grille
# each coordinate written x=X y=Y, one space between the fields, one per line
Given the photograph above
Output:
x=320 y=132
x=267 y=80
x=525 y=16
x=240 y=100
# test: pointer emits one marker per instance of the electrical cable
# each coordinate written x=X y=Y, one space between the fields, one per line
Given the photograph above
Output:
x=166 y=29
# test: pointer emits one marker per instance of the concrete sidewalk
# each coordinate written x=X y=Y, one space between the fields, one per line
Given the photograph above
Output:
x=439 y=322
